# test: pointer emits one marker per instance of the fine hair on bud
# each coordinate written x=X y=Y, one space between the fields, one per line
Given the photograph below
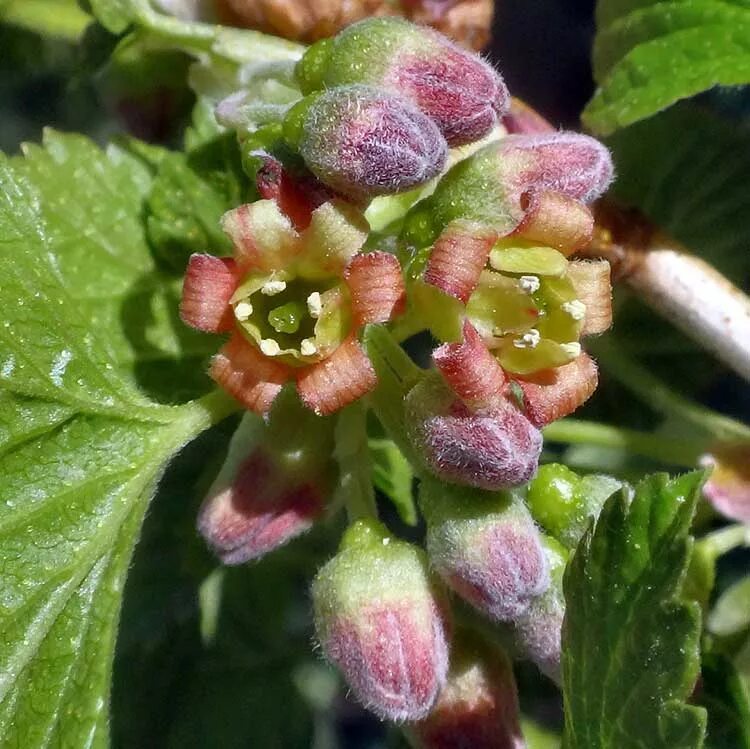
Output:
x=478 y=707
x=464 y=95
x=492 y=448
x=380 y=619
x=538 y=631
x=363 y=142
x=486 y=548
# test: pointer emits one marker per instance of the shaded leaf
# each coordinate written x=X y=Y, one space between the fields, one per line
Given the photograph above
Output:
x=726 y=701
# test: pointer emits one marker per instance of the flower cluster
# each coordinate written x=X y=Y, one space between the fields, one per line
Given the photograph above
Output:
x=486 y=208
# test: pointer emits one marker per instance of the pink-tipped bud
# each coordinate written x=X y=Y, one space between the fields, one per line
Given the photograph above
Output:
x=478 y=707
x=493 y=448
x=538 y=631
x=380 y=621
x=273 y=484
x=363 y=142
x=486 y=548
x=463 y=94
x=576 y=165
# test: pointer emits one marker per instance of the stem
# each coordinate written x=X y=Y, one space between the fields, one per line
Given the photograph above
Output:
x=353 y=456
x=685 y=289
x=722 y=541
x=212 y=408
x=676 y=452
x=663 y=399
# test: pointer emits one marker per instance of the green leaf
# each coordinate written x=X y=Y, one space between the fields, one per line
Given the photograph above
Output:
x=393 y=475
x=648 y=55
x=191 y=192
x=726 y=701
x=687 y=169
x=630 y=645
x=81 y=446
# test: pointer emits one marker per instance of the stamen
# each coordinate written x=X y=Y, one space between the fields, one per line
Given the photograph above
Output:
x=243 y=310
x=271 y=288
x=573 y=348
x=308 y=347
x=576 y=309
x=269 y=347
x=529 y=284
x=314 y=305
x=528 y=340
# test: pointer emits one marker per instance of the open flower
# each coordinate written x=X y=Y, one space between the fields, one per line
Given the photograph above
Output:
x=500 y=263
x=293 y=298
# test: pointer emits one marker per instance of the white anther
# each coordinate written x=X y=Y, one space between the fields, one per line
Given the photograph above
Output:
x=572 y=349
x=271 y=288
x=529 y=284
x=243 y=310
x=576 y=309
x=314 y=305
x=528 y=340
x=308 y=347
x=269 y=347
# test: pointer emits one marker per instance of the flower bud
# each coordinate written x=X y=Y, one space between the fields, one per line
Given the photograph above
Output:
x=379 y=620
x=478 y=706
x=564 y=502
x=486 y=548
x=273 y=484
x=538 y=630
x=363 y=142
x=495 y=447
x=500 y=184
x=464 y=95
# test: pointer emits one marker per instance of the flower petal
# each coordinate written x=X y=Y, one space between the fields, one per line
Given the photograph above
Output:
x=554 y=393
x=554 y=219
x=337 y=381
x=470 y=369
x=458 y=257
x=377 y=288
x=728 y=486
x=208 y=286
x=247 y=375
x=263 y=236
x=336 y=233
x=591 y=279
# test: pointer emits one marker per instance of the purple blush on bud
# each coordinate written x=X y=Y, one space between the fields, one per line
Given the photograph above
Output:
x=258 y=512
x=381 y=619
x=390 y=660
x=576 y=165
x=486 y=548
x=363 y=142
x=464 y=95
x=491 y=448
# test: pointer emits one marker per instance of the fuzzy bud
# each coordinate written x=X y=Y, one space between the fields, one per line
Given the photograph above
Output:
x=486 y=548
x=495 y=447
x=500 y=184
x=379 y=620
x=363 y=142
x=478 y=706
x=538 y=631
x=459 y=91
x=273 y=484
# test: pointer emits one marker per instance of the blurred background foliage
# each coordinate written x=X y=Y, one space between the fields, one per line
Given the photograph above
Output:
x=222 y=658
